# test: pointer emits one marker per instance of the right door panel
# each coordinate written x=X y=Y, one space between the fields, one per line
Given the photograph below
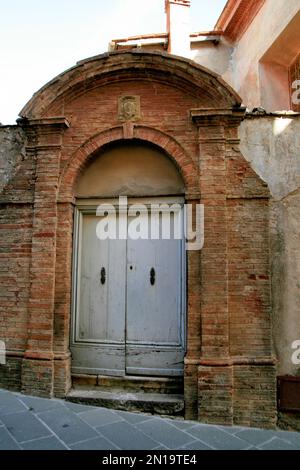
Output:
x=154 y=307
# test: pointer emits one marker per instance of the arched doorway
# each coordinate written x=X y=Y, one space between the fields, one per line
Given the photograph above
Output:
x=194 y=116
x=128 y=315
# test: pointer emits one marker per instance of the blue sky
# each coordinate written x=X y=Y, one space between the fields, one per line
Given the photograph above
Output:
x=41 y=38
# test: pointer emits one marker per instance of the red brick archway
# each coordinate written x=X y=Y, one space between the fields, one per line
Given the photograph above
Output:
x=193 y=115
x=173 y=149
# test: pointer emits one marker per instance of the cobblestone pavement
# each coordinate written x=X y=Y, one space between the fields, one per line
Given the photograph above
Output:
x=42 y=424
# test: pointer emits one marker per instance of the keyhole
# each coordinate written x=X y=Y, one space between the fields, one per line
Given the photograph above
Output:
x=131 y=268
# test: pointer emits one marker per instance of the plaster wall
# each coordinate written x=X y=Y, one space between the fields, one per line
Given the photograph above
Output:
x=271 y=145
x=215 y=57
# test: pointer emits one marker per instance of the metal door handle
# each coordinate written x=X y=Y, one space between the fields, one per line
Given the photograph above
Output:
x=152 y=276
x=102 y=275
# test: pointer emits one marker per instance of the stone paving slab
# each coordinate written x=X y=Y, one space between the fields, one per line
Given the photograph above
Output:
x=292 y=437
x=127 y=437
x=6 y=440
x=67 y=426
x=37 y=405
x=255 y=436
x=9 y=403
x=165 y=433
x=99 y=443
x=77 y=408
x=32 y=423
x=99 y=417
x=197 y=445
x=24 y=426
x=133 y=418
x=181 y=424
x=277 y=444
x=217 y=438
x=46 y=443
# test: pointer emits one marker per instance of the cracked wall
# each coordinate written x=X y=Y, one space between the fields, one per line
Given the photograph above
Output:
x=11 y=152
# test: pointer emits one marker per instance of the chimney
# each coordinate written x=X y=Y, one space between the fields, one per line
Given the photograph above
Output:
x=178 y=27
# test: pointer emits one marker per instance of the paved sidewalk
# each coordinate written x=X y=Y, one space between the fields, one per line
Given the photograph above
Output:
x=40 y=424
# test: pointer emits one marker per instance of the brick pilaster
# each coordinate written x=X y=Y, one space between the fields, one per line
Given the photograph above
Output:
x=215 y=375
x=44 y=139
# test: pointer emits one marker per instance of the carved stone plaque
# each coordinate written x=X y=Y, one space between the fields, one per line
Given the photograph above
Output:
x=129 y=108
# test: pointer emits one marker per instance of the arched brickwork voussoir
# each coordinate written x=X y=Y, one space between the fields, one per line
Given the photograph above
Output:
x=166 y=143
x=208 y=87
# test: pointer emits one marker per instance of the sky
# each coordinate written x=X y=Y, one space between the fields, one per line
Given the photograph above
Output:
x=41 y=38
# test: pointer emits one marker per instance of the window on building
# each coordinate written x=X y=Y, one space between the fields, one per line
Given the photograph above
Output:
x=276 y=73
x=294 y=76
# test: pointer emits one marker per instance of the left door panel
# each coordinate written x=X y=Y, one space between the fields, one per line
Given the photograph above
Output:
x=98 y=331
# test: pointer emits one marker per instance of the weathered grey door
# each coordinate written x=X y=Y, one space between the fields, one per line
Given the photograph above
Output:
x=154 y=306
x=98 y=336
x=128 y=304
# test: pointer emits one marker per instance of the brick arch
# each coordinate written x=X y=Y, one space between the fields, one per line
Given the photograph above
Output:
x=166 y=143
x=208 y=87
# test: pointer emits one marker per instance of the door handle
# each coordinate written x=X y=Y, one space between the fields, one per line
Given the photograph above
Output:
x=152 y=276
x=102 y=275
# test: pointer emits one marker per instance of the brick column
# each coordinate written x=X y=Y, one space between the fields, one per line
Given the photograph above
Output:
x=249 y=301
x=44 y=140
x=215 y=374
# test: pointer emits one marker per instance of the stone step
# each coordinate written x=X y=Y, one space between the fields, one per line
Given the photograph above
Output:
x=164 y=385
x=154 y=403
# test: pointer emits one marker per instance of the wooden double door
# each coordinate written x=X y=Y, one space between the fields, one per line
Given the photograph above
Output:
x=128 y=298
